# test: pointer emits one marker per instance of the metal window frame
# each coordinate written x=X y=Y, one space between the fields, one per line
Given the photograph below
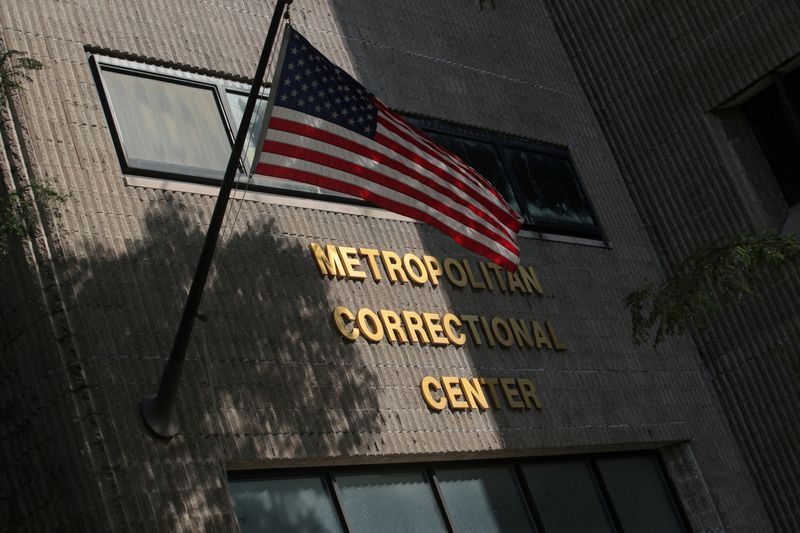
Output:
x=429 y=470
x=220 y=87
x=501 y=141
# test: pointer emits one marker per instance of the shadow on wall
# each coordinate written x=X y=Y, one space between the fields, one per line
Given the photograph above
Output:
x=264 y=377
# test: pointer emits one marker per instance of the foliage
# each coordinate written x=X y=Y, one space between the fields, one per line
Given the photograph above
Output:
x=14 y=68
x=16 y=208
x=709 y=278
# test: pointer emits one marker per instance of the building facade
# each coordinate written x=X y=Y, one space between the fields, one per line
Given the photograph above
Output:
x=354 y=369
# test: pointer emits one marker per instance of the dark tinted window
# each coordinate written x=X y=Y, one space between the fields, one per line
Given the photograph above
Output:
x=284 y=505
x=585 y=494
x=177 y=125
x=774 y=115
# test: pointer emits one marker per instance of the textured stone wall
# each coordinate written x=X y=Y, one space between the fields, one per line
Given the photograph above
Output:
x=267 y=381
x=660 y=77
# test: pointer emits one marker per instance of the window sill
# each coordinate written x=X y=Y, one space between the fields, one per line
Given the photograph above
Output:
x=323 y=205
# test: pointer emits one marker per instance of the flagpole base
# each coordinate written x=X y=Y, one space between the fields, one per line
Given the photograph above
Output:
x=162 y=422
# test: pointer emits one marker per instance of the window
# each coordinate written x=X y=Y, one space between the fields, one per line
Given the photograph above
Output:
x=177 y=125
x=538 y=181
x=603 y=494
x=774 y=115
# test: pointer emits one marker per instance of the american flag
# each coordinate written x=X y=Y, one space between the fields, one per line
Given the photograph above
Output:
x=327 y=130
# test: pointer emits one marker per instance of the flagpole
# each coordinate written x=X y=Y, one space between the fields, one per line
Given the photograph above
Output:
x=158 y=410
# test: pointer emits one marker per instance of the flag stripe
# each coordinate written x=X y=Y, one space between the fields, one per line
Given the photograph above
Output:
x=376 y=152
x=426 y=144
x=463 y=177
x=435 y=169
x=415 y=211
x=325 y=129
x=292 y=146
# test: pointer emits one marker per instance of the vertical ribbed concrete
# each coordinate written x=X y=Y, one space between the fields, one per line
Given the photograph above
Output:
x=657 y=75
x=268 y=382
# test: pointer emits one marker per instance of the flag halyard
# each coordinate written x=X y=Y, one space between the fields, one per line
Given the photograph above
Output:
x=327 y=130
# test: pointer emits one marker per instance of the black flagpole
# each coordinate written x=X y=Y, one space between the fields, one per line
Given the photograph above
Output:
x=158 y=409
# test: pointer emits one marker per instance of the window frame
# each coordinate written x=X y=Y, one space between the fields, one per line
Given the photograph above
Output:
x=429 y=469
x=499 y=141
x=541 y=228
x=219 y=87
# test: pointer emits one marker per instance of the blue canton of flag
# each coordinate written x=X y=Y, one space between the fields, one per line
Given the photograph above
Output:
x=327 y=130
x=314 y=85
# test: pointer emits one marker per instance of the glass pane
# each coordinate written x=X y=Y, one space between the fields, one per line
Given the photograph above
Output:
x=773 y=128
x=276 y=505
x=237 y=104
x=567 y=497
x=168 y=127
x=481 y=156
x=484 y=500
x=639 y=494
x=390 y=502
x=550 y=188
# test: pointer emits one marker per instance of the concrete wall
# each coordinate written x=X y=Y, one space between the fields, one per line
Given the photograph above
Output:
x=267 y=381
x=665 y=80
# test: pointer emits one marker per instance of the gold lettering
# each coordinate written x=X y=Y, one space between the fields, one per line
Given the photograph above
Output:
x=472 y=325
x=339 y=314
x=454 y=393
x=328 y=262
x=393 y=326
x=530 y=278
x=540 y=337
x=372 y=332
x=434 y=328
x=515 y=284
x=522 y=333
x=371 y=254
x=504 y=337
x=498 y=274
x=427 y=386
x=492 y=384
x=393 y=266
x=529 y=393
x=474 y=393
x=448 y=320
x=487 y=331
x=512 y=394
x=473 y=281
x=410 y=262
x=559 y=346
x=351 y=263
x=434 y=269
x=486 y=277
x=414 y=326
x=457 y=281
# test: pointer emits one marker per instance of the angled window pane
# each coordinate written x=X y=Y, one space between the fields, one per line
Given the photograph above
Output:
x=168 y=127
x=640 y=495
x=567 y=497
x=484 y=500
x=772 y=125
x=549 y=187
x=397 y=502
x=284 y=505
x=237 y=104
x=483 y=157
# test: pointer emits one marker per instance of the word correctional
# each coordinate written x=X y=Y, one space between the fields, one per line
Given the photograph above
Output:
x=448 y=329
x=346 y=262
x=462 y=394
